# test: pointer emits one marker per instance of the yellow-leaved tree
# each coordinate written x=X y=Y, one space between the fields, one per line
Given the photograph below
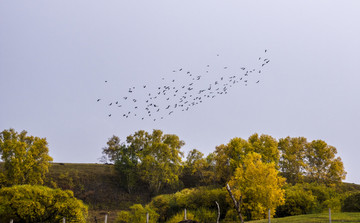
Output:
x=258 y=186
x=26 y=158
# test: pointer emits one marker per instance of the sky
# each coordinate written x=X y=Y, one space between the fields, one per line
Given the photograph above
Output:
x=58 y=57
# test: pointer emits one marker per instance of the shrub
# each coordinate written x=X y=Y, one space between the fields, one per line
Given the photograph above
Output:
x=26 y=203
x=231 y=215
x=351 y=203
x=202 y=198
x=180 y=216
x=205 y=215
x=297 y=201
x=165 y=205
x=137 y=214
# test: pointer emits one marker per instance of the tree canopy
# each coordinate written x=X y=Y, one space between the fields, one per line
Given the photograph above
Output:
x=26 y=159
x=228 y=157
x=292 y=163
x=323 y=165
x=314 y=161
x=153 y=158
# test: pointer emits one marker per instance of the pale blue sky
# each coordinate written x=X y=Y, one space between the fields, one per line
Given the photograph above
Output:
x=56 y=55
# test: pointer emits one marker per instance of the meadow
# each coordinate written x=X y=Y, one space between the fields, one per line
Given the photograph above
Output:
x=316 y=218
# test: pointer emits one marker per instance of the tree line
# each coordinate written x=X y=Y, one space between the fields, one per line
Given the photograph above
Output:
x=289 y=176
x=156 y=159
x=258 y=170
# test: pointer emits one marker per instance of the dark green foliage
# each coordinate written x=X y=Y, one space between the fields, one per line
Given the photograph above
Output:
x=309 y=198
x=153 y=159
x=351 y=203
x=297 y=201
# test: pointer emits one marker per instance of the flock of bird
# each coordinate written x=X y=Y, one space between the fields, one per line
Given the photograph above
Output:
x=192 y=89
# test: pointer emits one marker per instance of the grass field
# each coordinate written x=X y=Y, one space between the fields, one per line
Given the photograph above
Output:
x=310 y=218
x=316 y=218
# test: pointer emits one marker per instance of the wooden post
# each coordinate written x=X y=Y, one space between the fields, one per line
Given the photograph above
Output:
x=218 y=207
x=106 y=218
x=185 y=217
x=330 y=215
x=11 y=221
x=269 y=216
x=237 y=205
x=64 y=220
x=147 y=217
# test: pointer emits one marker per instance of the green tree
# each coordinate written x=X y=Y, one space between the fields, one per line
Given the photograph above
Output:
x=323 y=166
x=153 y=158
x=27 y=203
x=125 y=159
x=228 y=158
x=197 y=169
x=258 y=185
x=292 y=161
x=26 y=159
x=160 y=158
x=113 y=151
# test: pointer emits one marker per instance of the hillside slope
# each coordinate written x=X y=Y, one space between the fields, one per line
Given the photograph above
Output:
x=96 y=184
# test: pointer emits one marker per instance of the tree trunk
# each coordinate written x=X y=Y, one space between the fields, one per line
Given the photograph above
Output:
x=237 y=204
x=218 y=217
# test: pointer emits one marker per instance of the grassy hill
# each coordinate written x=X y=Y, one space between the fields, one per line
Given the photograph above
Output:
x=97 y=185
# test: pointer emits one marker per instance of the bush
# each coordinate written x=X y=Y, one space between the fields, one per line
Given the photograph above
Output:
x=165 y=205
x=231 y=215
x=205 y=215
x=137 y=214
x=309 y=198
x=198 y=199
x=26 y=203
x=180 y=216
x=297 y=201
x=201 y=197
x=351 y=203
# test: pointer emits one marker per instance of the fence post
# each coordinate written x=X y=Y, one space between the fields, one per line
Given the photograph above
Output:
x=11 y=221
x=185 y=217
x=330 y=215
x=147 y=217
x=64 y=220
x=269 y=216
x=106 y=218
